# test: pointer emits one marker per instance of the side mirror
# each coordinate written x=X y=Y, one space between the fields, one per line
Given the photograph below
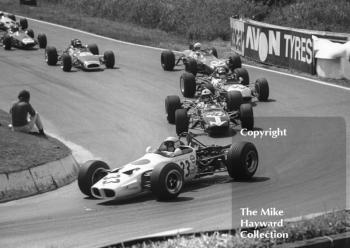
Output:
x=148 y=149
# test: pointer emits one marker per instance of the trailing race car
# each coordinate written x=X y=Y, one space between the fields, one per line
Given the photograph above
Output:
x=165 y=170
x=203 y=61
x=221 y=82
x=17 y=35
x=212 y=116
x=85 y=57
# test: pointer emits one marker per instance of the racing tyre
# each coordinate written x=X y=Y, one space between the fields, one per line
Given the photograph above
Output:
x=243 y=73
x=109 y=59
x=167 y=181
x=12 y=17
x=23 y=22
x=51 y=56
x=234 y=100
x=66 y=62
x=188 y=84
x=172 y=103
x=262 y=89
x=214 y=52
x=181 y=121
x=167 y=60
x=42 y=40
x=7 y=41
x=234 y=62
x=93 y=49
x=242 y=160
x=89 y=173
x=246 y=116
x=191 y=66
x=30 y=33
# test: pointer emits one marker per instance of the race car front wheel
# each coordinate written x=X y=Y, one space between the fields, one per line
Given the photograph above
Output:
x=167 y=181
x=234 y=62
x=234 y=100
x=42 y=40
x=90 y=173
x=246 y=116
x=23 y=22
x=66 y=62
x=242 y=160
x=109 y=59
x=7 y=41
x=262 y=89
x=188 y=84
x=51 y=56
x=167 y=60
x=242 y=73
x=172 y=103
x=181 y=121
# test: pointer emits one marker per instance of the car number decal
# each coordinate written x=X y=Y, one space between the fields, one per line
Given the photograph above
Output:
x=185 y=165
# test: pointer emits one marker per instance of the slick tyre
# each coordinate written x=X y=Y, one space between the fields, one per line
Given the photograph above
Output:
x=167 y=60
x=188 y=84
x=89 y=173
x=109 y=59
x=234 y=100
x=66 y=62
x=234 y=62
x=93 y=48
x=30 y=33
x=243 y=73
x=246 y=116
x=181 y=121
x=23 y=22
x=242 y=160
x=7 y=41
x=262 y=89
x=42 y=40
x=172 y=103
x=167 y=181
x=214 y=52
x=191 y=66
x=51 y=56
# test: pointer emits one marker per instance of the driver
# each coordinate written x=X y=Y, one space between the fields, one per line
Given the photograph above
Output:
x=220 y=72
x=197 y=46
x=171 y=146
x=14 y=29
x=76 y=43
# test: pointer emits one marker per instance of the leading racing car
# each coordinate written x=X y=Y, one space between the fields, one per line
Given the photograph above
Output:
x=85 y=57
x=165 y=170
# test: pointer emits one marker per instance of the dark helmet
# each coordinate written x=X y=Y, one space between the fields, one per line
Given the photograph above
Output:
x=76 y=43
x=24 y=95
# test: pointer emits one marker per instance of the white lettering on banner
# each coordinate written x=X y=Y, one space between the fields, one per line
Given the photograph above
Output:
x=298 y=48
x=237 y=40
x=274 y=42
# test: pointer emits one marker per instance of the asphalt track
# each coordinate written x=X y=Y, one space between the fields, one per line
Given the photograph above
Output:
x=117 y=113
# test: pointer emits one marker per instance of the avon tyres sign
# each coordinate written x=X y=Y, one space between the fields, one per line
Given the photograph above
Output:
x=280 y=47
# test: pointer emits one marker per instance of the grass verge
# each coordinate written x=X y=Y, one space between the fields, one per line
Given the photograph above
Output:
x=20 y=151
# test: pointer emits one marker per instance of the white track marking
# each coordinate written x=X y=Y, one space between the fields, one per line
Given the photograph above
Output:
x=170 y=232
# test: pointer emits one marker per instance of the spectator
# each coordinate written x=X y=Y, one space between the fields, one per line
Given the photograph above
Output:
x=24 y=117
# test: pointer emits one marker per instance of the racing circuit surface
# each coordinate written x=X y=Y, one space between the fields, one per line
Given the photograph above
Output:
x=117 y=113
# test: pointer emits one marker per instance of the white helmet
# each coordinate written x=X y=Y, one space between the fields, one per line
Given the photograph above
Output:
x=171 y=143
x=197 y=46
x=206 y=95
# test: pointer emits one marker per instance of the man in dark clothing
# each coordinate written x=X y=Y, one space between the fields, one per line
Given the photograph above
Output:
x=20 y=111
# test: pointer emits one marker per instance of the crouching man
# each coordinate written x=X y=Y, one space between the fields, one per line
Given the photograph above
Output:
x=20 y=111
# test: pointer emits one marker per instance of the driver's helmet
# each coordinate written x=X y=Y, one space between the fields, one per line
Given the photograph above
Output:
x=76 y=43
x=221 y=72
x=206 y=96
x=197 y=46
x=14 y=29
x=171 y=143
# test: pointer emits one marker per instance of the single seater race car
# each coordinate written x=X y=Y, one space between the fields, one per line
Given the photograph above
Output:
x=17 y=35
x=213 y=117
x=198 y=60
x=164 y=171
x=85 y=57
x=221 y=82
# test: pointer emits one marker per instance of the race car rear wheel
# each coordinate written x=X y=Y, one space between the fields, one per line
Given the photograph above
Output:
x=42 y=40
x=243 y=73
x=30 y=33
x=191 y=66
x=51 y=56
x=234 y=100
x=167 y=60
x=242 y=160
x=262 y=89
x=93 y=49
x=109 y=59
x=66 y=62
x=188 y=84
x=172 y=103
x=89 y=173
x=214 y=52
x=167 y=181
x=23 y=22
x=246 y=116
x=7 y=41
x=181 y=121
x=234 y=62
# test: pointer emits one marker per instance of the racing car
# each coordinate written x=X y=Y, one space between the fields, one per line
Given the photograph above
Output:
x=213 y=117
x=85 y=57
x=164 y=172
x=197 y=60
x=14 y=34
x=221 y=82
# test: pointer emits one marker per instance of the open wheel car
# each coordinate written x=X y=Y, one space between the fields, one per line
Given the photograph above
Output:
x=165 y=174
x=85 y=57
